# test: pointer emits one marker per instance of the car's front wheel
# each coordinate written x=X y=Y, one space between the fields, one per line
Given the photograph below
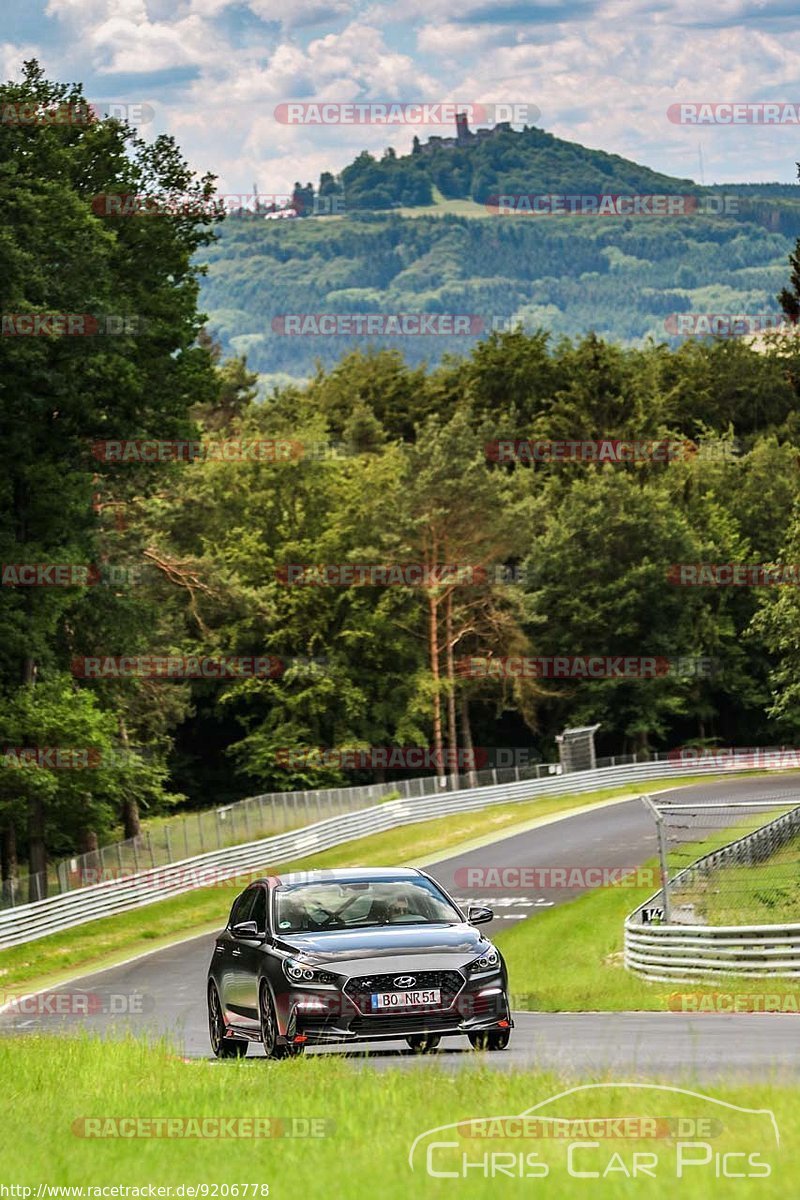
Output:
x=490 y=1039
x=423 y=1043
x=223 y=1047
x=269 y=1028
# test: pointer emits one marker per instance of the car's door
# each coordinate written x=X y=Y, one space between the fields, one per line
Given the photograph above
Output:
x=228 y=951
x=247 y=956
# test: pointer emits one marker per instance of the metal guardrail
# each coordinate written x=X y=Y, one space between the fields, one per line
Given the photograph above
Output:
x=162 y=843
x=28 y=922
x=682 y=953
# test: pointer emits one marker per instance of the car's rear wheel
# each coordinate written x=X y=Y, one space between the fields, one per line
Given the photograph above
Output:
x=223 y=1047
x=490 y=1039
x=269 y=1028
x=423 y=1043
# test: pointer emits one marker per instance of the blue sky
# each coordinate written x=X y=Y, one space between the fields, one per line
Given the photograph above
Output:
x=601 y=72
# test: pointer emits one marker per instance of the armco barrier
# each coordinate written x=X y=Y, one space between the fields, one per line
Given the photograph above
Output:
x=30 y=921
x=682 y=953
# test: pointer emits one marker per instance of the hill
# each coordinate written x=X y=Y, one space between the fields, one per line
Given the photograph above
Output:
x=423 y=234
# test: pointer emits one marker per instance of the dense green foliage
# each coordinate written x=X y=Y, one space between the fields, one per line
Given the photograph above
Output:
x=619 y=277
x=568 y=558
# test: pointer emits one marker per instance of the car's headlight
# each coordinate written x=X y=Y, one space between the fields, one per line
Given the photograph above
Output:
x=302 y=975
x=487 y=964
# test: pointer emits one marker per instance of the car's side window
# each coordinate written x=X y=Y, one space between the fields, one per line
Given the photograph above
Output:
x=241 y=908
x=259 y=913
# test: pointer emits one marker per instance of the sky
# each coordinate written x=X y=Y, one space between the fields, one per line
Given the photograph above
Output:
x=600 y=72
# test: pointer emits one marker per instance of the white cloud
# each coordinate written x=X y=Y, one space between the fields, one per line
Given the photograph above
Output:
x=12 y=57
x=601 y=73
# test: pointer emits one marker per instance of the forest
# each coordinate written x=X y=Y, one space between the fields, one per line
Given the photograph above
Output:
x=159 y=506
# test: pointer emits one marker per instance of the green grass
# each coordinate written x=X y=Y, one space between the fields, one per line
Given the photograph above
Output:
x=98 y=943
x=372 y=1118
x=583 y=939
x=767 y=893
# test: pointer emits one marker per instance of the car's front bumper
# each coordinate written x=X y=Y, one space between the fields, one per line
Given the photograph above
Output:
x=333 y=1017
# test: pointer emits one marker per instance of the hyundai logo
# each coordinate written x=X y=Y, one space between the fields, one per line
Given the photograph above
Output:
x=405 y=981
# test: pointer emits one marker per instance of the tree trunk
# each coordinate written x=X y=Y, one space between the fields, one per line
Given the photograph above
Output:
x=466 y=737
x=451 y=692
x=37 y=851
x=433 y=651
x=90 y=868
x=8 y=863
x=132 y=826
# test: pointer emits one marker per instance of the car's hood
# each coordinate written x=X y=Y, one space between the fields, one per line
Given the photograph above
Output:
x=367 y=949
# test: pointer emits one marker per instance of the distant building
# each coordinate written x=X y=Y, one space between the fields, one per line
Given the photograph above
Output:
x=464 y=136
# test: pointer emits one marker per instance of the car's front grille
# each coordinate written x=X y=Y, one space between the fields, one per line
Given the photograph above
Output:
x=361 y=988
x=404 y=1023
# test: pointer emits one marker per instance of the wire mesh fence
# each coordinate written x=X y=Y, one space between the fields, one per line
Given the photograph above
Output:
x=163 y=842
x=732 y=863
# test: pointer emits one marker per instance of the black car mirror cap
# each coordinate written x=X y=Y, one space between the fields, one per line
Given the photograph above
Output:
x=477 y=914
x=246 y=929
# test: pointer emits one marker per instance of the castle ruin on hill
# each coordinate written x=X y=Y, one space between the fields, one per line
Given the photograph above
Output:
x=464 y=136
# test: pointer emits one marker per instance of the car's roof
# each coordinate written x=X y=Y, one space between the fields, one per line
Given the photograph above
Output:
x=344 y=875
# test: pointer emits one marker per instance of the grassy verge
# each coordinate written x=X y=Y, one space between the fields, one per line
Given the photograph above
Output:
x=767 y=893
x=371 y=1120
x=583 y=943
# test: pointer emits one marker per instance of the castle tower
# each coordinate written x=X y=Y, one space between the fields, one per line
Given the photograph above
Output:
x=463 y=135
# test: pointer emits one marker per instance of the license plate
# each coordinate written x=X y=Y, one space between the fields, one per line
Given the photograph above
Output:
x=418 y=999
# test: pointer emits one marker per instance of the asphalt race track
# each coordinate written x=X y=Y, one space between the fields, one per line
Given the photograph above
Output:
x=163 y=994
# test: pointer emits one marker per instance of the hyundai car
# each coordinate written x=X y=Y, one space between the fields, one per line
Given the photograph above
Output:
x=348 y=956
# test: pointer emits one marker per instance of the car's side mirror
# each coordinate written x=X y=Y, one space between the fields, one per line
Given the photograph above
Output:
x=245 y=929
x=478 y=915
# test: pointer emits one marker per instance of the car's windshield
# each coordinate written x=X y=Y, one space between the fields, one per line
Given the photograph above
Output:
x=321 y=905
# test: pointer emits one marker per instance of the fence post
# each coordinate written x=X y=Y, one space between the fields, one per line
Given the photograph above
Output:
x=168 y=842
x=150 y=848
x=200 y=833
x=662 y=855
